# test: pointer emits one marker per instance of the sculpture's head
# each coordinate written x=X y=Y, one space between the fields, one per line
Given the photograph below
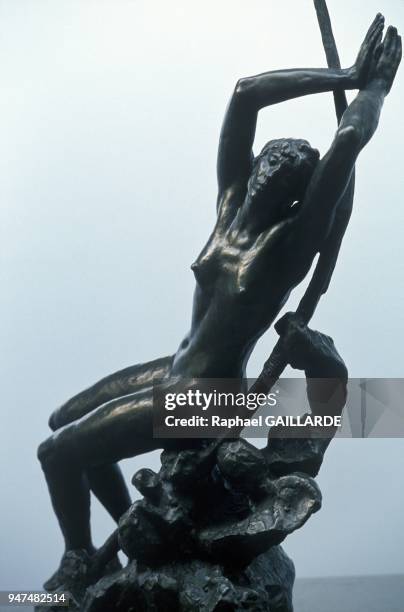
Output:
x=280 y=176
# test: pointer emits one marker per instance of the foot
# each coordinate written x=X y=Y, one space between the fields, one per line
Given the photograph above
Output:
x=73 y=569
x=76 y=569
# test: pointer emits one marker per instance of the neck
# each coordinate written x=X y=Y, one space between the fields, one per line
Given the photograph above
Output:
x=254 y=218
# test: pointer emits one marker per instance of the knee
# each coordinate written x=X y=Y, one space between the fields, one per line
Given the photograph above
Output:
x=53 y=452
x=52 y=422
x=47 y=453
x=56 y=420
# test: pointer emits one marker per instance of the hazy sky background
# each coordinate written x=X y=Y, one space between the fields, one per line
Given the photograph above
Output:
x=110 y=113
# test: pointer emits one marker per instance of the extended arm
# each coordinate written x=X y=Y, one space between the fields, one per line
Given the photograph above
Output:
x=254 y=93
x=357 y=126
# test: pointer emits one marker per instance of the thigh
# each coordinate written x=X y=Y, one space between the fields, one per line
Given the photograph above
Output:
x=124 y=382
x=116 y=430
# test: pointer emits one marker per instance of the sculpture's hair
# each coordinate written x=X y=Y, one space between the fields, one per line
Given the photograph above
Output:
x=288 y=158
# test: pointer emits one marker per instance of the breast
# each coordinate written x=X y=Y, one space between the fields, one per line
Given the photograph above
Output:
x=207 y=266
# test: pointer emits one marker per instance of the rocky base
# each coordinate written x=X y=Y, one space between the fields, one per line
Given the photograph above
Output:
x=205 y=537
x=266 y=584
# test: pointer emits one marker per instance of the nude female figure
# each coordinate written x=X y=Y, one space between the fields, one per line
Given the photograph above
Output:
x=275 y=211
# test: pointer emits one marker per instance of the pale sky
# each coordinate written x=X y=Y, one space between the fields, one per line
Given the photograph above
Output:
x=110 y=112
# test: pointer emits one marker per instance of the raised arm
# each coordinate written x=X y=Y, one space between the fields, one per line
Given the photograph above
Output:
x=358 y=125
x=254 y=93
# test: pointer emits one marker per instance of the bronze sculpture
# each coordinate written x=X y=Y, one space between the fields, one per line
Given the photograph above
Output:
x=275 y=212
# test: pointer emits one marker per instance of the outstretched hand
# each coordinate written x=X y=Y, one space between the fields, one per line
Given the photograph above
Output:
x=386 y=60
x=367 y=52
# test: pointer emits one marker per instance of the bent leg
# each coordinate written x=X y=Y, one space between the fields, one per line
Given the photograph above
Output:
x=124 y=382
x=106 y=481
x=119 y=429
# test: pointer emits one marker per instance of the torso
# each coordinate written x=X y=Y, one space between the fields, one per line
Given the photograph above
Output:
x=242 y=282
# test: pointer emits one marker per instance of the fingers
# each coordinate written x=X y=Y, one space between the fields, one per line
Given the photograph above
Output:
x=396 y=45
x=376 y=26
x=386 y=58
x=390 y=40
x=396 y=48
x=399 y=53
x=392 y=48
x=376 y=37
x=396 y=54
x=378 y=51
x=373 y=39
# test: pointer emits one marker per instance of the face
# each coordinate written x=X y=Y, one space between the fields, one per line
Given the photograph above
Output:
x=280 y=177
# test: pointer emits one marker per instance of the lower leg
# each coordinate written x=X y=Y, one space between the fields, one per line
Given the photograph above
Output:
x=121 y=428
x=108 y=485
x=70 y=496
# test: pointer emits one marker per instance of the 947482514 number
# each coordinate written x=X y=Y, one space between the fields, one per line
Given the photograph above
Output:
x=30 y=598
